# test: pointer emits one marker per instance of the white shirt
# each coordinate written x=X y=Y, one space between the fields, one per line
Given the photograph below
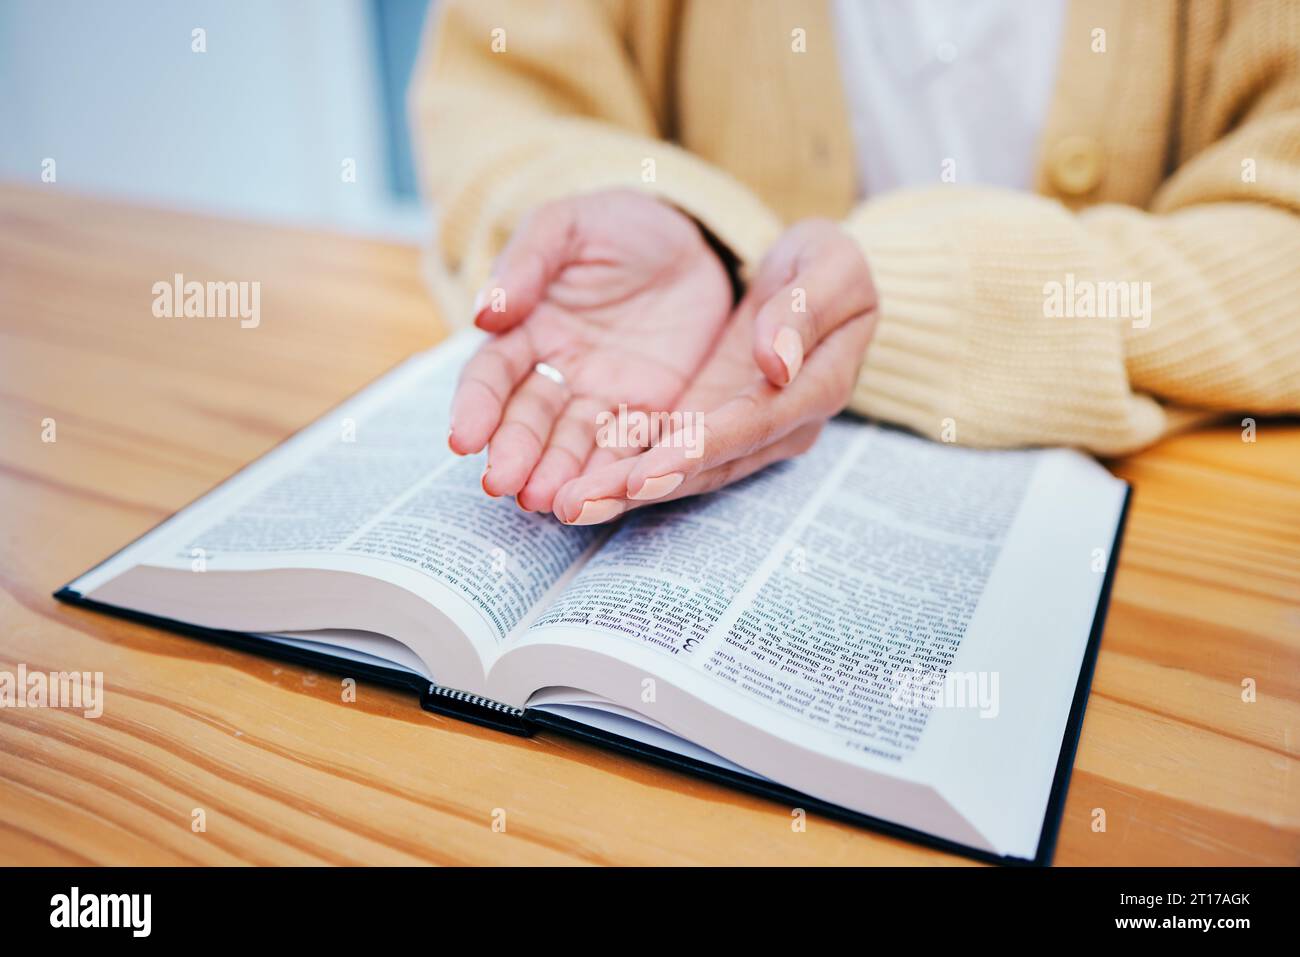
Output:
x=947 y=90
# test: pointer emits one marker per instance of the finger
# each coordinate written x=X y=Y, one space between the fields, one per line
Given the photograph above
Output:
x=520 y=439
x=571 y=445
x=796 y=443
x=611 y=446
x=750 y=421
x=608 y=504
x=598 y=455
x=606 y=470
x=757 y=418
x=824 y=294
x=542 y=245
x=595 y=496
x=741 y=426
x=700 y=442
x=485 y=386
x=604 y=455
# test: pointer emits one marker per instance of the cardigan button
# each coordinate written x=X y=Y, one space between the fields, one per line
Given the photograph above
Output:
x=1075 y=165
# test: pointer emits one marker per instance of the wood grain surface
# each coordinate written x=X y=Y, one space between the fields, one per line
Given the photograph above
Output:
x=150 y=413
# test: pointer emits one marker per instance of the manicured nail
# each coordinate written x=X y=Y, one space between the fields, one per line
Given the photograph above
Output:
x=659 y=486
x=598 y=510
x=789 y=347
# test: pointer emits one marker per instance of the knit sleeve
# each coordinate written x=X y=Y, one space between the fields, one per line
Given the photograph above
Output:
x=1006 y=319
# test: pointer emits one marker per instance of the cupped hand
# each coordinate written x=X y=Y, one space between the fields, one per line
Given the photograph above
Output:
x=616 y=291
x=788 y=362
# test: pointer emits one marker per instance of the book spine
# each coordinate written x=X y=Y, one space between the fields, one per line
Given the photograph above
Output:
x=475 y=708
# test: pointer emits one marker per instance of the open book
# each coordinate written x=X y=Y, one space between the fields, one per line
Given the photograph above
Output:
x=888 y=629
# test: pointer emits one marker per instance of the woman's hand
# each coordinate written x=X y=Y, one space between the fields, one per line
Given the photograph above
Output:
x=788 y=362
x=618 y=292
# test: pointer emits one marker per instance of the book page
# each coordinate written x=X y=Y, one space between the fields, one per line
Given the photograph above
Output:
x=372 y=488
x=874 y=589
x=829 y=601
x=815 y=588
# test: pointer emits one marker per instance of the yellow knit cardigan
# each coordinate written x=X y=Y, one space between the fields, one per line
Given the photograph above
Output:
x=1170 y=157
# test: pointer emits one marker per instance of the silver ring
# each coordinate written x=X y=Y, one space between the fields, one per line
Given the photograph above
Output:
x=550 y=372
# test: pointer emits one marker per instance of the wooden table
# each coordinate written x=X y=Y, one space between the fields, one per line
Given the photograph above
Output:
x=152 y=412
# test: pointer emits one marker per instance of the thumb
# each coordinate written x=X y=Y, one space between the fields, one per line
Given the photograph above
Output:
x=542 y=245
x=831 y=287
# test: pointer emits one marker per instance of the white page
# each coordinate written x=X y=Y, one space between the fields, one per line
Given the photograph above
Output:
x=372 y=488
x=359 y=646
x=876 y=556
x=597 y=712
x=1027 y=641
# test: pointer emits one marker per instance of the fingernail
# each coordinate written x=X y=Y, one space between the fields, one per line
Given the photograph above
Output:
x=483 y=482
x=451 y=433
x=658 y=486
x=598 y=510
x=789 y=347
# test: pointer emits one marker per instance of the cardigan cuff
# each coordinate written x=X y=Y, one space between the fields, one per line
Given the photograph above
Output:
x=966 y=347
x=913 y=367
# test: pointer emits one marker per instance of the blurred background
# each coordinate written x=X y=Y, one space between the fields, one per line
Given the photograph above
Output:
x=259 y=126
